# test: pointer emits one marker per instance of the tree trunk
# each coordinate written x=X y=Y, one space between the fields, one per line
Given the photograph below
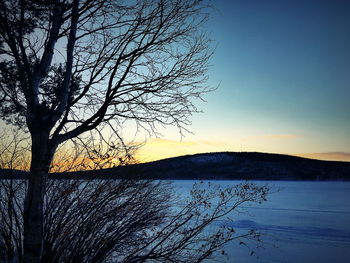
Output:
x=33 y=207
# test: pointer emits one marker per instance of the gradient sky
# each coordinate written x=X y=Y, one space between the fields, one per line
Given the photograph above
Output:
x=284 y=73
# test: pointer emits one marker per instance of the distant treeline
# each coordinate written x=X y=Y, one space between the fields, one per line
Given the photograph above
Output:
x=217 y=166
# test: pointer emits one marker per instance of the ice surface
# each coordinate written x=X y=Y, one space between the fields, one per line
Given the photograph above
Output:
x=301 y=222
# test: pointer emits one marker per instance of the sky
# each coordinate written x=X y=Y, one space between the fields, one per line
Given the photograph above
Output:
x=282 y=68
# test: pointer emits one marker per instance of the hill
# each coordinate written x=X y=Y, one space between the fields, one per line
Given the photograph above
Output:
x=224 y=166
x=228 y=166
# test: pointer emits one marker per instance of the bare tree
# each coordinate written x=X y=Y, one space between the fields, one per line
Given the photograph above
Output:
x=119 y=220
x=125 y=221
x=14 y=149
x=68 y=66
x=93 y=152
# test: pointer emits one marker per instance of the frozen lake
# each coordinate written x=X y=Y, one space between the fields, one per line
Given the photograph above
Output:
x=301 y=222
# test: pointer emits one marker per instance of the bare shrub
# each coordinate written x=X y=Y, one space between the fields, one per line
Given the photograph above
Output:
x=125 y=221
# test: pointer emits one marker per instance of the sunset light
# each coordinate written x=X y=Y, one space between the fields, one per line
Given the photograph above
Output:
x=174 y=131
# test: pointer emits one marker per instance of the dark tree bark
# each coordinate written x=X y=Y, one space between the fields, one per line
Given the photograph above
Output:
x=42 y=154
x=125 y=221
x=144 y=61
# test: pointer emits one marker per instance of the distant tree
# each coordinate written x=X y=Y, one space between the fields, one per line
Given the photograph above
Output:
x=71 y=66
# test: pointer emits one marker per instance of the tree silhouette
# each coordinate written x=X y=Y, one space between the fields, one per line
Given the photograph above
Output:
x=125 y=221
x=69 y=66
x=118 y=220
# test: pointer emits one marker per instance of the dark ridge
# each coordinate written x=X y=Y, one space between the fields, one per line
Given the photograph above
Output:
x=13 y=174
x=224 y=166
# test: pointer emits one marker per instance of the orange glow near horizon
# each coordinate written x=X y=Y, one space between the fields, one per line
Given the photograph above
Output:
x=328 y=156
x=157 y=149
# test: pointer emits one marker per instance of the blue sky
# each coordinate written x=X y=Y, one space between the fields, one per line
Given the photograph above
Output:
x=284 y=73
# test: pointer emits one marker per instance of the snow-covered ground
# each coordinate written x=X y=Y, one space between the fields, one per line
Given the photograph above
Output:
x=301 y=222
x=211 y=158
